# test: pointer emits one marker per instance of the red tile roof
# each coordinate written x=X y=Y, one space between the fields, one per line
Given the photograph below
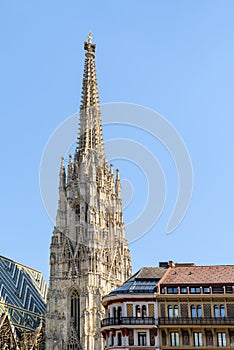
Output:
x=220 y=274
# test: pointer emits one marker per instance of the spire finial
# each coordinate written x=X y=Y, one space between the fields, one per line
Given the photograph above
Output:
x=90 y=134
x=90 y=38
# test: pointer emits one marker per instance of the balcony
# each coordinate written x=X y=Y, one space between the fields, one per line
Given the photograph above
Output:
x=127 y=321
x=196 y=321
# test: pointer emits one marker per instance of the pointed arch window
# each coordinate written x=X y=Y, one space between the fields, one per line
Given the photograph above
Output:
x=75 y=310
x=77 y=212
x=86 y=212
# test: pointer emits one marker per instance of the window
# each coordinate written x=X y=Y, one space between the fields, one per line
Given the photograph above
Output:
x=206 y=290
x=209 y=338
x=219 y=311
x=119 y=312
x=119 y=338
x=183 y=290
x=195 y=290
x=142 y=338
x=173 y=311
x=172 y=290
x=174 y=339
x=217 y=289
x=170 y=311
x=75 y=309
x=228 y=289
x=193 y=311
x=196 y=311
x=131 y=337
x=164 y=338
x=231 y=334
x=77 y=212
x=162 y=290
x=216 y=311
x=107 y=313
x=138 y=311
x=185 y=337
x=221 y=339
x=111 y=340
x=197 y=339
x=143 y=311
x=152 y=337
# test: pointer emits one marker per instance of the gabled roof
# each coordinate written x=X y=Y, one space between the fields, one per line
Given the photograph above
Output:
x=151 y=272
x=220 y=274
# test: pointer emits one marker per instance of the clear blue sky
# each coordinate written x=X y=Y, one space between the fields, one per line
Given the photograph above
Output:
x=176 y=57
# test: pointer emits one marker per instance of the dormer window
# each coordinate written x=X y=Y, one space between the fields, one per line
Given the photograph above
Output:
x=172 y=290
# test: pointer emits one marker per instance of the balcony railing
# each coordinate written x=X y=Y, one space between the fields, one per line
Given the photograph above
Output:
x=196 y=321
x=128 y=321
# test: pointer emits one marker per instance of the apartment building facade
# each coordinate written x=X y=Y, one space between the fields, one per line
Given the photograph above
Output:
x=188 y=307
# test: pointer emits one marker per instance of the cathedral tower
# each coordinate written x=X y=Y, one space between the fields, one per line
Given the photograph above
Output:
x=89 y=253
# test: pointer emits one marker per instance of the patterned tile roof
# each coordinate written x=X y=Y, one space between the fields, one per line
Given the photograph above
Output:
x=220 y=274
x=22 y=292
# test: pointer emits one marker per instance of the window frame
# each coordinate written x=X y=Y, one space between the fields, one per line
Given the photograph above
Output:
x=174 y=339
x=219 y=311
x=217 y=289
x=172 y=290
x=119 y=339
x=221 y=339
x=173 y=311
x=196 y=311
x=197 y=339
x=183 y=290
x=142 y=341
x=229 y=289
x=206 y=290
x=195 y=290
x=75 y=309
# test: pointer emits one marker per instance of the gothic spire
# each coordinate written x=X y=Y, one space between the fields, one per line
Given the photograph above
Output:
x=90 y=136
x=89 y=96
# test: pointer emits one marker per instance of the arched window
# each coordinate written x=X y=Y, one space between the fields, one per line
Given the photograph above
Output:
x=119 y=312
x=193 y=311
x=176 y=311
x=138 y=311
x=199 y=311
x=143 y=311
x=170 y=311
x=219 y=311
x=196 y=311
x=222 y=311
x=173 y=311
x=75 y=310
x=77 y=212
x=114 y=312
x=86 y=212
